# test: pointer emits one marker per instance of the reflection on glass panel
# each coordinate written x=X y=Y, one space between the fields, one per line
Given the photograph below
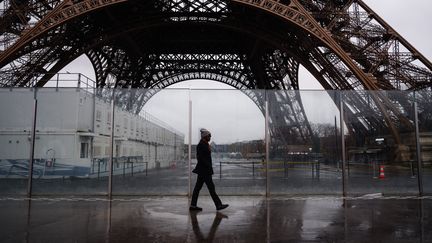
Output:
x=150 y=155
x=424 y=104
x=150 y=150
x=235 y=119
x=16 y=109
x=304 y=149
x=380 y=142
x=66 y=133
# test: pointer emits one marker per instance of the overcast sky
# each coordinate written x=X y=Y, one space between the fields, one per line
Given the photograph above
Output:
x=231 y=116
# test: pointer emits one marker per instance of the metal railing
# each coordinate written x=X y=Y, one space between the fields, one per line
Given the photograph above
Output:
x=100 y=166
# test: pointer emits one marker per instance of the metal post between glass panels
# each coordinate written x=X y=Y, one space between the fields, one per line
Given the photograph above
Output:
x=32 y=146
x=267 y=144
x=419 y=158
x=190 y=148
x=111 y=147
x=342 y=120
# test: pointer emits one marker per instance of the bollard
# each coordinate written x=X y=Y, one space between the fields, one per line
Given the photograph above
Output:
x=381 y=174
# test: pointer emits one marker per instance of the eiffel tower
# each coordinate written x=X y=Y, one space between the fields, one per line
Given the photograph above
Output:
x=247 y=44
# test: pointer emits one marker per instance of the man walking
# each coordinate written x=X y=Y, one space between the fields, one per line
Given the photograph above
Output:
x=204 y=169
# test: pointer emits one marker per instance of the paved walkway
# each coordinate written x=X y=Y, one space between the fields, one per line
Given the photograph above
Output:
x=247 y=219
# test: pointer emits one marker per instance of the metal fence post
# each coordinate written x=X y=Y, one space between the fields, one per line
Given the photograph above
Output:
x=111 y=147
x=190 y=147
x=32 y=146
x=267 y=148
x=342 y=120
x=418 y=147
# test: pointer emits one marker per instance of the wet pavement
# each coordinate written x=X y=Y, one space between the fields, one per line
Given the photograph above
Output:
x=247 y=219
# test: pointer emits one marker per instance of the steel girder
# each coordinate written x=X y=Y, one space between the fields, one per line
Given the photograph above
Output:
x=343 y=43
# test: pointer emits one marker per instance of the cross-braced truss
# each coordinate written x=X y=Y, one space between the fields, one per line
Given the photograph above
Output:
x=248 y=44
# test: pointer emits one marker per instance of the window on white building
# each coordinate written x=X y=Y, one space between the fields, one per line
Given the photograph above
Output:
x=84 y=151
x=98 y=115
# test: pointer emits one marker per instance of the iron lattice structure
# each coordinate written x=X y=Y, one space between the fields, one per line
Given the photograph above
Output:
x=248 y=44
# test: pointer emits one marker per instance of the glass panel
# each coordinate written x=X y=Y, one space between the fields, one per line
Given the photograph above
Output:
x=236 y=122
x=304 y=156
x=380 y=142
x=150 y=156
x=16 y=109
x=65 y=139
x=424 y=104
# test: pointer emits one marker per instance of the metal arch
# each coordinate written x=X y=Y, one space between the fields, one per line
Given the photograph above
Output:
x=290 y=99
x=146 y=95
x=238 y=75
x=268 y=5
x=294 y=13
x=174 y=64
x=219 y=77
x=97 y=63
x=142 y=96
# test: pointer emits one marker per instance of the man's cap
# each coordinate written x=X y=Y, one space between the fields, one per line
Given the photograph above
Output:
x=204 y=132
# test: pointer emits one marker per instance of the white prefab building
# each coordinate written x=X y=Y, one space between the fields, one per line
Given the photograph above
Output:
x=73 y=129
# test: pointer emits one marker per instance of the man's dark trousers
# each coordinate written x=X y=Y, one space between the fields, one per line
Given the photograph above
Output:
x=207 y=179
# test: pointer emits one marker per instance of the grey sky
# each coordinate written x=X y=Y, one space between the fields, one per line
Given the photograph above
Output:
x=231 y=116
x=411 y=19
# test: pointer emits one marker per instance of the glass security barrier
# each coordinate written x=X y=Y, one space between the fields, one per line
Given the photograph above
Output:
x=304 y=146
x=380 y=142
x=150 y=130
x=424 y=107
x=67 y=136
x=147 y=134
x=235 y=119
x=17 y=108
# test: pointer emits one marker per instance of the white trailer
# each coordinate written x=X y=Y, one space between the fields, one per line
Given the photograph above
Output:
x=73 y=135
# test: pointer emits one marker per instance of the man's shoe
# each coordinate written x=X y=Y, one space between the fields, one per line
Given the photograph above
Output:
x=222 y=206
x=195 y=208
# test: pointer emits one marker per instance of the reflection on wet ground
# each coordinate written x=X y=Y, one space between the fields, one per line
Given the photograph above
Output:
x=248 y=219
